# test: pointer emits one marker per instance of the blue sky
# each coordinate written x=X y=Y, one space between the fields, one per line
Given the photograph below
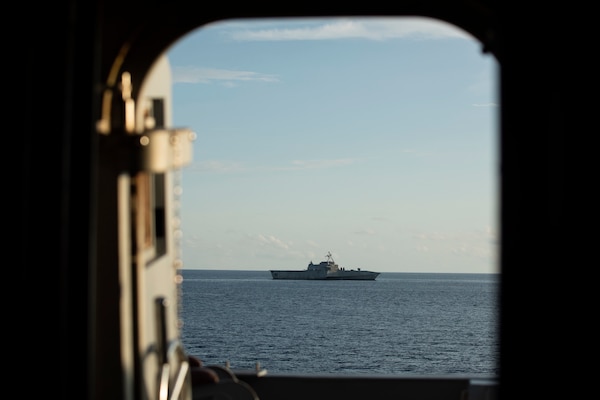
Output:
x=374 y=139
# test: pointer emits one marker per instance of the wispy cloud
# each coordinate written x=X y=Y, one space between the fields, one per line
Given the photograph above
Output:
x=236 y=167
x=312 y=30
x=224 y=76
x=485 y=105
x=344 y=28
x=479 y=243
x=218 y=166
x=270 y=240
x=312 y=164
x=365 y=231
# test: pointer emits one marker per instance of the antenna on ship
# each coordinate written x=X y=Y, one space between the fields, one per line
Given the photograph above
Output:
x=329 y=256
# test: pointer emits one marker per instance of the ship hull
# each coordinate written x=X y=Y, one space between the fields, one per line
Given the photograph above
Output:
x=353 y=276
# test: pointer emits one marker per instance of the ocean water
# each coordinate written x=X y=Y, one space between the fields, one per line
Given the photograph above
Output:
x=400 y=324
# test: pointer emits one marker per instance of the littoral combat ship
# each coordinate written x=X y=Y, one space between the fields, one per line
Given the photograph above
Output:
x=325 y=270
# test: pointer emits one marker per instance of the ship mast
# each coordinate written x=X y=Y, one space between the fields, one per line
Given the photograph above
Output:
x=329 y=257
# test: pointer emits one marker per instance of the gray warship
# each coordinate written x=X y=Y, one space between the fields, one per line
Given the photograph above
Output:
x=325 y=270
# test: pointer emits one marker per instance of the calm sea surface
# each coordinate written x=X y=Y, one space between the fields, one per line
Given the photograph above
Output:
x=400 y=324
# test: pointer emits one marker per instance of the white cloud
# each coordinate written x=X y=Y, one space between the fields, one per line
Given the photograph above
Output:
x=485 y=105
x=365 y=231
x=217 y=166
x=356 y=28
x=235 y=167
x=270 y=240
x=311 y=29
x=312 y=164
x=478 y=243
x=210 y=75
